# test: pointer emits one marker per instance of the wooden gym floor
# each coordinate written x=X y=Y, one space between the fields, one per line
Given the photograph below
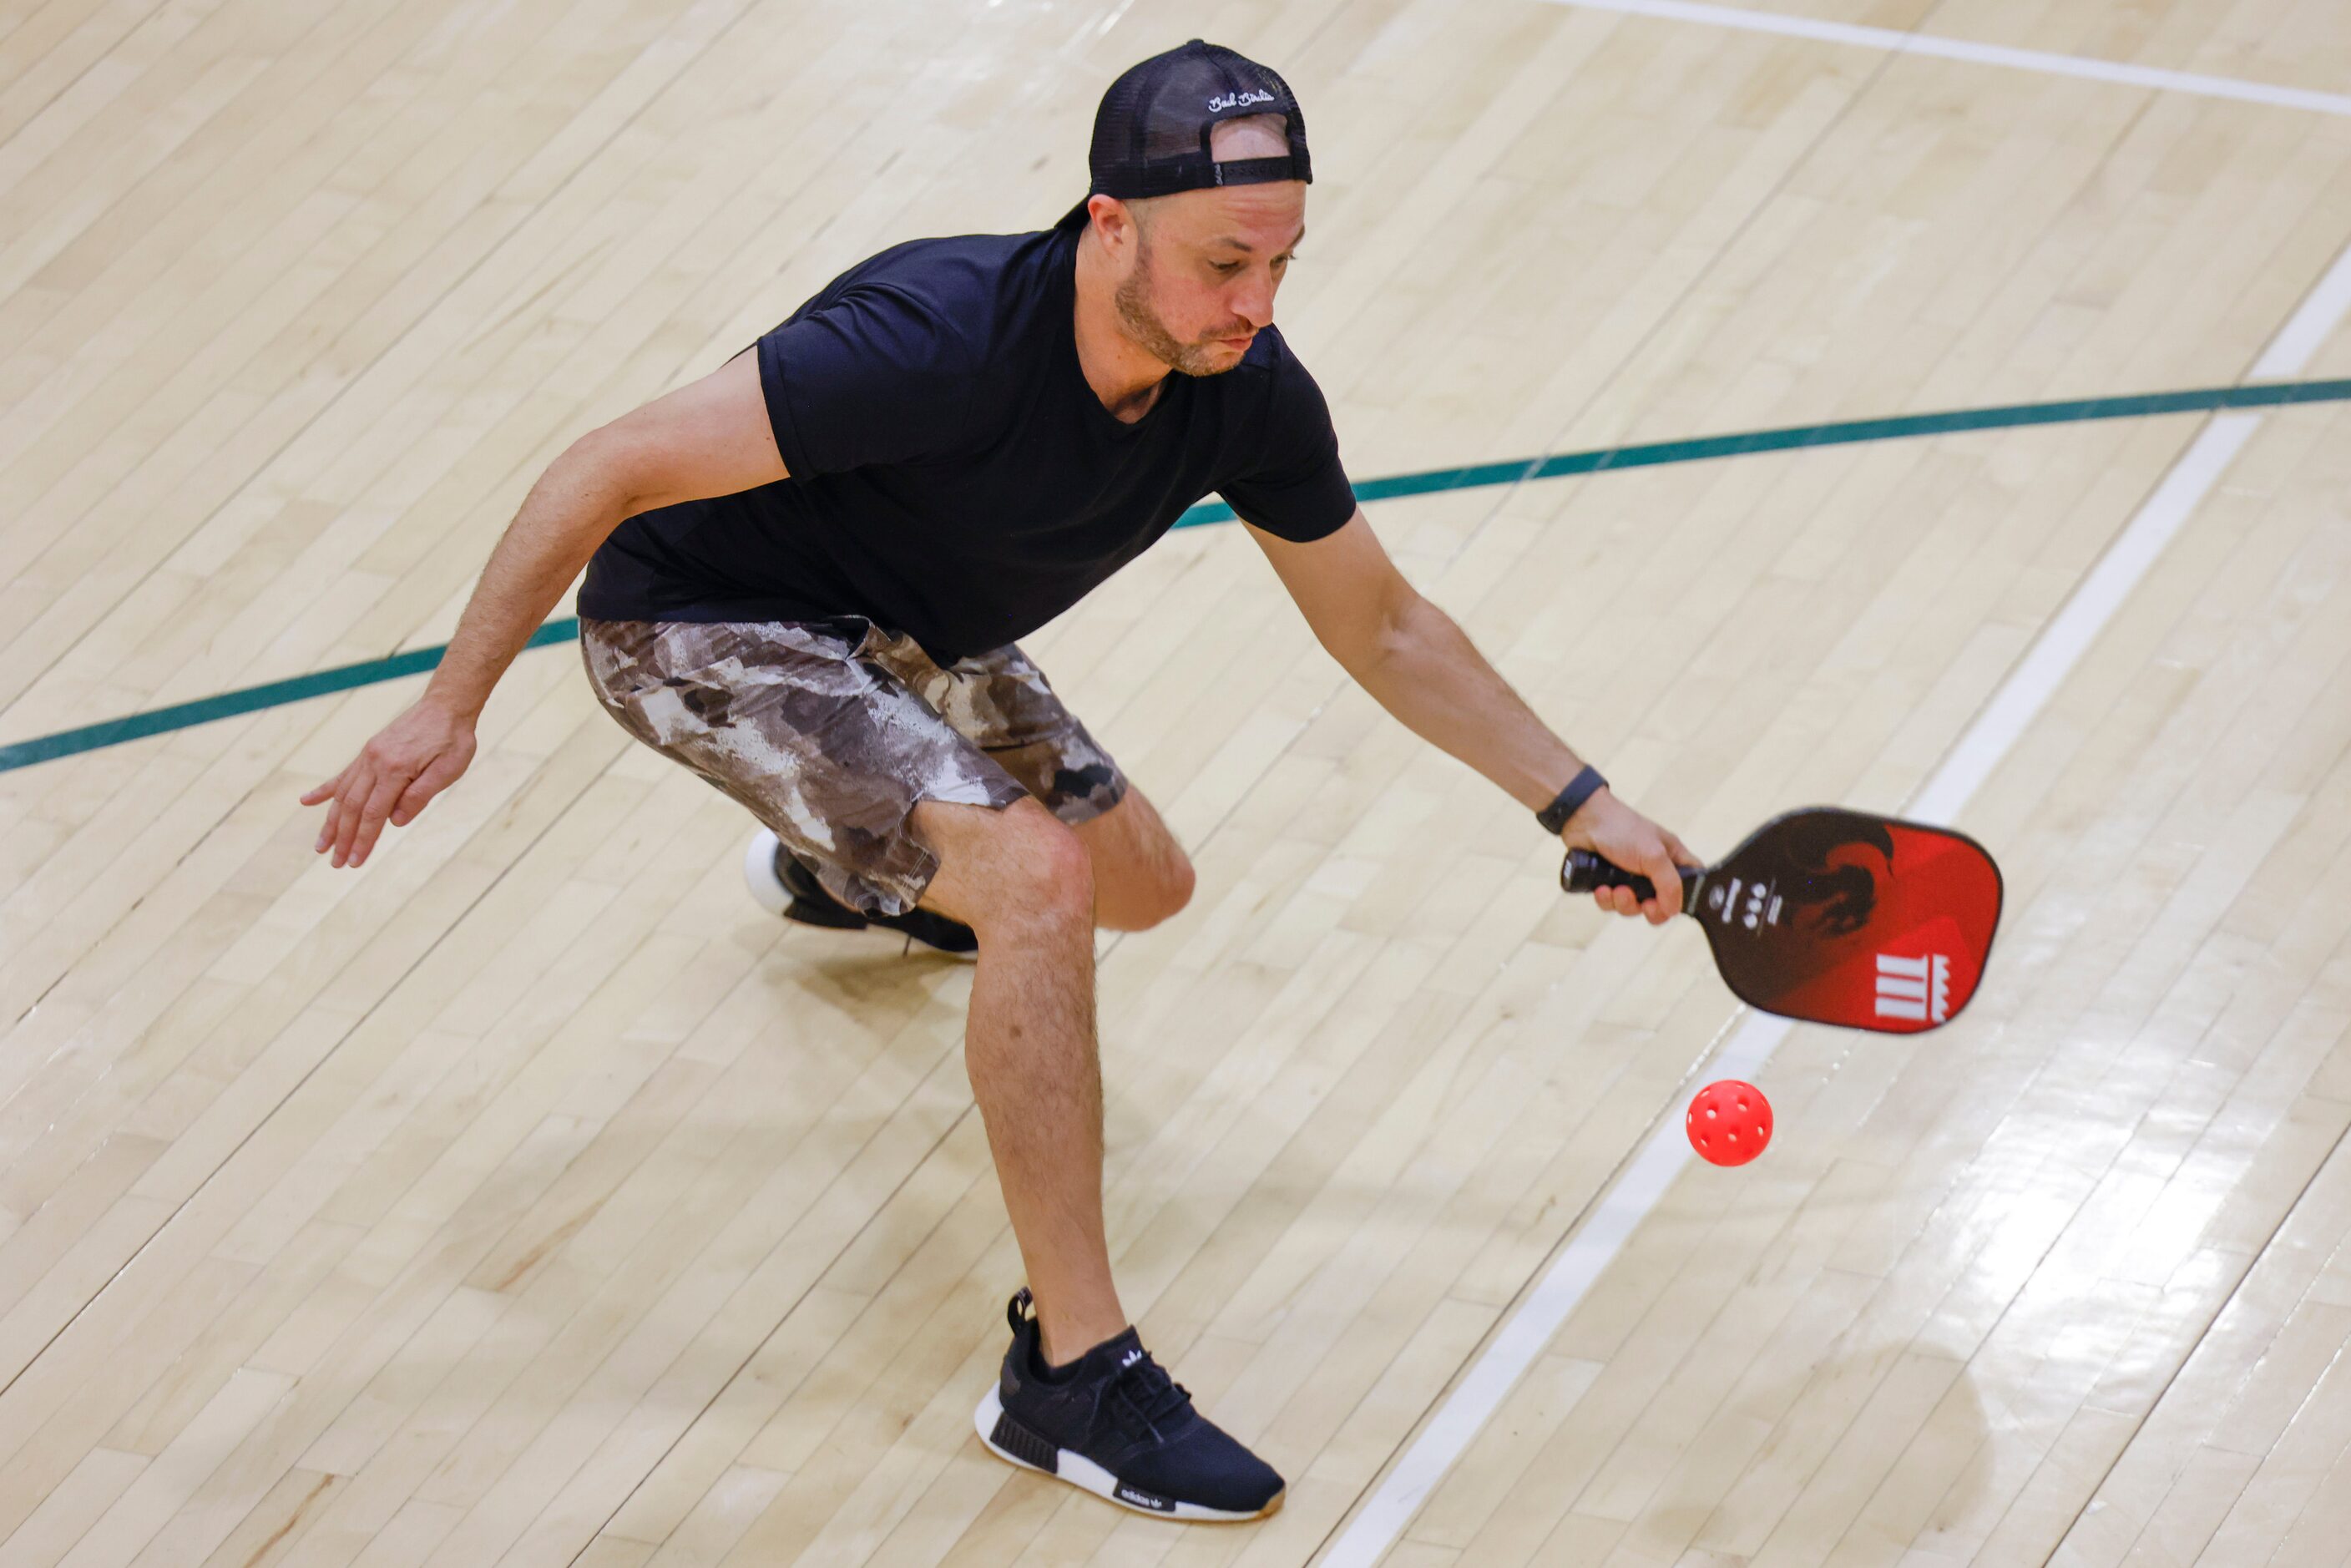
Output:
x=530 y=1198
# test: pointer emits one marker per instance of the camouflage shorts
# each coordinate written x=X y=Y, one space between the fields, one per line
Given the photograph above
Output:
x=830 y=737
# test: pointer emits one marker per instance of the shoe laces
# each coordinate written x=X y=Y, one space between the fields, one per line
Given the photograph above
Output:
x=1142 y=1391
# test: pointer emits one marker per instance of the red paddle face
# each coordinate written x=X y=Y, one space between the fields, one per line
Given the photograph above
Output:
x=1847 y=918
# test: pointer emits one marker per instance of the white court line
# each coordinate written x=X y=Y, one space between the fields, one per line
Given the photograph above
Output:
x=2013 y=707
x=1980 y=54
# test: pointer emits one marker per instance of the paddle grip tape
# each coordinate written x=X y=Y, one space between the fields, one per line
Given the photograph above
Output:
x=1584 y=872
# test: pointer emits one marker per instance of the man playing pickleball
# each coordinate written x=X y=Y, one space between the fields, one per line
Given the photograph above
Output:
x=806 y=573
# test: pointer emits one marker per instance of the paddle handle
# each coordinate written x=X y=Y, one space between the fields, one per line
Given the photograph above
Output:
x=1587 y=873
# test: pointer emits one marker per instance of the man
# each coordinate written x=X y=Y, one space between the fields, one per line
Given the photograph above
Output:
x=805 y=577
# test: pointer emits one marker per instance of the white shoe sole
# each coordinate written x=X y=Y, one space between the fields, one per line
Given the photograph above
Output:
x=1082 y=1472
x=769 y=892
x=759 y=871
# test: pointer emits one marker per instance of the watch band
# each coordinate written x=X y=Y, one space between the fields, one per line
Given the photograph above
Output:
x=1580 y=789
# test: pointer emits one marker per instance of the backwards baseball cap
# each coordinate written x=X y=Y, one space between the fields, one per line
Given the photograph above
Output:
x=1150 y=133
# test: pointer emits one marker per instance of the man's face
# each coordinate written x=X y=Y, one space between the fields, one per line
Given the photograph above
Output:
x=1202 y=270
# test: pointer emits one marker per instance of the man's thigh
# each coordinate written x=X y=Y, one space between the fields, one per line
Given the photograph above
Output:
x=828 y=748
x=1001 y=702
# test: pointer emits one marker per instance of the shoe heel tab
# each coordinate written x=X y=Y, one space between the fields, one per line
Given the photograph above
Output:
x=1020 y=1311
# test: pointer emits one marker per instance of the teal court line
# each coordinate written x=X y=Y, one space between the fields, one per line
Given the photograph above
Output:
x=1435 y=481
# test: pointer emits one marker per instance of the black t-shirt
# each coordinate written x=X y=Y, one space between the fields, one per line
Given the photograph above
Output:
x=952 y=475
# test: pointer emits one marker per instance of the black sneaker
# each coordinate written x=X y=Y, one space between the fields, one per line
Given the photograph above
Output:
x=1114 y=1423
x=786 y=887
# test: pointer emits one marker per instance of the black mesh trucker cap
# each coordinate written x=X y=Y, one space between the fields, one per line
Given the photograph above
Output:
x=1150 y=133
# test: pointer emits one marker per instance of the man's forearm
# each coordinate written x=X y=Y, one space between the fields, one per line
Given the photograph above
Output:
x=576 y=503
x=1434 y=679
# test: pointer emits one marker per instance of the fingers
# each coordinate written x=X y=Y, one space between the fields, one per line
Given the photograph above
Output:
x=1631 y=841
x=392 y=779
x=1654 y=861
x=370 y=821
x=448 y=766
x=326 y=792
x=438 y=777
x=346 y=816
x=343 y=819
x=1659 y=868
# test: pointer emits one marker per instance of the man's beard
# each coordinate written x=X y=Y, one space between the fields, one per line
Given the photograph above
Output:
x=1143 y=325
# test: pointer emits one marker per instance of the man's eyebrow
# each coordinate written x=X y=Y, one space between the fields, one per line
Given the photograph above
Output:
x=1242 y=244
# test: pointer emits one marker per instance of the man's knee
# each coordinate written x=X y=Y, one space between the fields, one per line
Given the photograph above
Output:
x=1052 y=874
x=1001 y=868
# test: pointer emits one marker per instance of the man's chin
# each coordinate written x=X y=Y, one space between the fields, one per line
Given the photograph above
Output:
x=1214 y=356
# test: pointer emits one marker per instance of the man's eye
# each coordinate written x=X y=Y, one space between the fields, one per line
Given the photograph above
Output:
x=1226 y=268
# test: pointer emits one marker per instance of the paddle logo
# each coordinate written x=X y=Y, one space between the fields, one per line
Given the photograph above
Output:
x=1918 y=990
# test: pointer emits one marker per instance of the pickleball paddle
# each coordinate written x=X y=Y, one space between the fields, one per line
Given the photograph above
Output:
x=1838 y=916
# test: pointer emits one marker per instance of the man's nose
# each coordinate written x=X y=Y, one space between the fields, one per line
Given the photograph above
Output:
x=1254 y=303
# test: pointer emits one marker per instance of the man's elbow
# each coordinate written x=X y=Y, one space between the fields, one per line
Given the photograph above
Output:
x=1394 y=636
x=606 y=469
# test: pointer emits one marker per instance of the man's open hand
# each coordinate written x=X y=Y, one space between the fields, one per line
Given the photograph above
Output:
x=410 y=759
x=1621 y=836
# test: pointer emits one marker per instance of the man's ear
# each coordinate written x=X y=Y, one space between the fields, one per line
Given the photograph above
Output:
x=1118 y=225
x=1114 y=225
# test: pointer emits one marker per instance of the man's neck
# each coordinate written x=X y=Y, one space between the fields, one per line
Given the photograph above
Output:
x=1126 y=379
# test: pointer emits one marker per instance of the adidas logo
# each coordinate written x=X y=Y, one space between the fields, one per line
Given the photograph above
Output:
x=1918 y=990
x=1128 y=1494
x=1131 y=1357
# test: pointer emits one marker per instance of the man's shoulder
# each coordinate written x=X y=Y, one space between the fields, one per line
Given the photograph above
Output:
x=888 y=360
x=948 y=260
x=957 y=289
x=1271 y=370
x=1270 y=359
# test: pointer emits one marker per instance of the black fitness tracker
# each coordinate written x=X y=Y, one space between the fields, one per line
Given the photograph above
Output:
x=1580 y=789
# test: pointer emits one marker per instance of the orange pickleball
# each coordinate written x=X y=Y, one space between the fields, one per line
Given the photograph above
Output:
x=1729 y=1122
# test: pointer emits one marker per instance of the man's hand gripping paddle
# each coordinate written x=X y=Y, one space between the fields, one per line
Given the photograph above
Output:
x=1838 y=916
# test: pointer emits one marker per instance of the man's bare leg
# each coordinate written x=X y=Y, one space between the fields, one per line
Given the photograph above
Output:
x=1024 y=883
x=1140 y=873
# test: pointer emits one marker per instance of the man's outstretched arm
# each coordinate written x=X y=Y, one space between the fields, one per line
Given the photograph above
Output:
x=1421 y=667
x=709 y=438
